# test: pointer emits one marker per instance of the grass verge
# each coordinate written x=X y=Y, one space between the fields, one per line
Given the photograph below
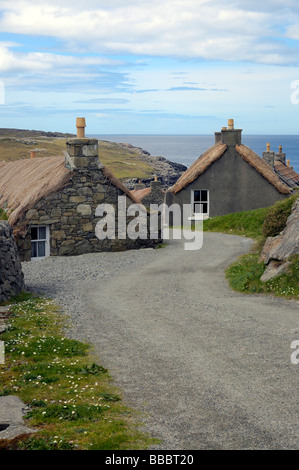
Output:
x=247 y=224
x=73 y=403
x=244 y=276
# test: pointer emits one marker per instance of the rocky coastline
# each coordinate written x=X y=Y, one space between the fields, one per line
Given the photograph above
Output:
x=167 y=172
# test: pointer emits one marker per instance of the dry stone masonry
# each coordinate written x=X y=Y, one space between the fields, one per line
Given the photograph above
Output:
x=69 y=213
x=11 y=274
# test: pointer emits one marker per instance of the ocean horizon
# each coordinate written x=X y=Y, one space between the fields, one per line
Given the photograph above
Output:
x=187 y=148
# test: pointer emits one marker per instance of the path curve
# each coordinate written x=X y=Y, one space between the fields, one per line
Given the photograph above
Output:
x=210 y=367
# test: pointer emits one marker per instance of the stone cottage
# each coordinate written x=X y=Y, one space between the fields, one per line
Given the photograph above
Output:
x=52 y=201
x=228 y=177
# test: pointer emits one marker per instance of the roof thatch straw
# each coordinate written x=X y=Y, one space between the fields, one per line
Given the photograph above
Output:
x=214 y=153
x=199 y=166
x=25 y=182
x=263 y=168
x=287 y=174
x=140 y=194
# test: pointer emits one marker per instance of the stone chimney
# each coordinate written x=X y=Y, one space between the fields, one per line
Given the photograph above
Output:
x=231 y=136
x=269 y=156
x=281 y=157
x=217 y=137
x=139 y=185
x=157 y=194
x=82 y=153
x=156 y=185
x=272 y=157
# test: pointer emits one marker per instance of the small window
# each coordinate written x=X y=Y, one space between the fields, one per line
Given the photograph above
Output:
x=40 y=242
x=200 y=202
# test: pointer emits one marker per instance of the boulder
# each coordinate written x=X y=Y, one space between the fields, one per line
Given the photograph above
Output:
x=269 y=245
x=277 y=250
x=275 y=268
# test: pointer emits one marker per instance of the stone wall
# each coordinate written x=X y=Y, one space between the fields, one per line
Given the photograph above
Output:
x=11 y=274
x=70 y=213
x=156 y=196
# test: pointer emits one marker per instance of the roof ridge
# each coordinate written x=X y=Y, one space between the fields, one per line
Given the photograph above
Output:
x=199 y=166
x=263 y=168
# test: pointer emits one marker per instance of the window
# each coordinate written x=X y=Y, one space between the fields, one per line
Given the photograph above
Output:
x=40 y=247
x=200 y=202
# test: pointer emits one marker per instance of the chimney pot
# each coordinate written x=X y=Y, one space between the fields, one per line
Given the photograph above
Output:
x=32 y=154
x=80 y=124
x=230 y=124
x=268 y=147
x=280 y=149
x=288 y=162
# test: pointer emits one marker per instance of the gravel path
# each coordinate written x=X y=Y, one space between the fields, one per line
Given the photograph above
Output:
x=210 y=367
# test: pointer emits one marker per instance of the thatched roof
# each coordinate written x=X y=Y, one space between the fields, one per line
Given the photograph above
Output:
x=199 y=166
x=24 y=183
x=214 y=153
x=263 y=168
x=287 y=174
x=140 y=194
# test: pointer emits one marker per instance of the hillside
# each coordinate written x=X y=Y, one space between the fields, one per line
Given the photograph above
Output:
x=126 y=162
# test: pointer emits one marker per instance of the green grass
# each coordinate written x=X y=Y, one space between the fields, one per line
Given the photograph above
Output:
x=244 y=276
x=247 y=223
x=277 y=216
x=73 y=402
x=3 y=215
x=257 y=224
x=124 y=163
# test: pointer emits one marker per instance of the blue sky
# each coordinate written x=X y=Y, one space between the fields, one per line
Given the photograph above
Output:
x=150 y=66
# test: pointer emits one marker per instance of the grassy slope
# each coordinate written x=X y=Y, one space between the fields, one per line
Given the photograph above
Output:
x=124 y=163
x=248 y=224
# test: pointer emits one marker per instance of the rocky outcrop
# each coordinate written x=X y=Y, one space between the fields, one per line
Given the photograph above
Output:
x=167 y=171
x=278 y=250
x=11 y=274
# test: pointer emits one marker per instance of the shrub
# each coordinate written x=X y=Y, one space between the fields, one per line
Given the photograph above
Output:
x=276 y=219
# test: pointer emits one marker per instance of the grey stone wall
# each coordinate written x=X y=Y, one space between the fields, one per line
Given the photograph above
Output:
x=70 y=213
x=11 y=274
x=156 y=196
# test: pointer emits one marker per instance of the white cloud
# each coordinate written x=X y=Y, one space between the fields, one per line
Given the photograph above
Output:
x=179 y=28
x=43 y=62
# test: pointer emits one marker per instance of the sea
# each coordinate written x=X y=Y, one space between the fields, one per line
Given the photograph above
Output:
x=186 y=148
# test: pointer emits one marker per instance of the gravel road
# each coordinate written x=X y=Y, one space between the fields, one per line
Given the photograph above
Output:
x=210 y=368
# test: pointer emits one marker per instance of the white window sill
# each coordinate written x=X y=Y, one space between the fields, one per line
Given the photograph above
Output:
x=199 y=217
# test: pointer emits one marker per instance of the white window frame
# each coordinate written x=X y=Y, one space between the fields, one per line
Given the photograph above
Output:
x=194 y=215
x=46 y=240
